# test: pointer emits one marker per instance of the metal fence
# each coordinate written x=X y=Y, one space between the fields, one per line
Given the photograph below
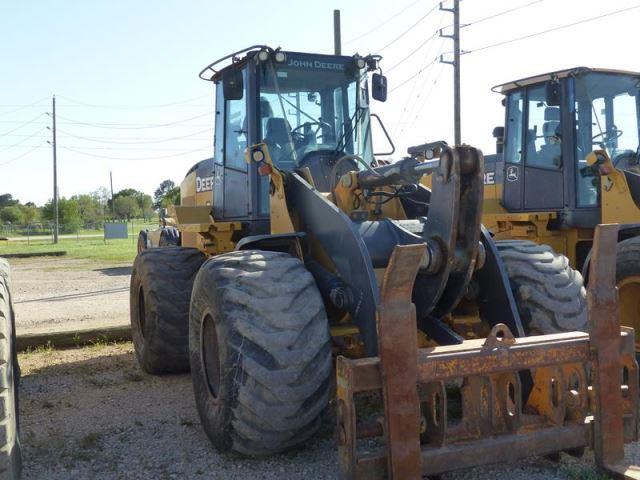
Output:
x=42 y=232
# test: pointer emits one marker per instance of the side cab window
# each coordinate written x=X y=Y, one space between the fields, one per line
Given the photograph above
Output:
x=235 y=131
x=544 y=134
x=513 y=139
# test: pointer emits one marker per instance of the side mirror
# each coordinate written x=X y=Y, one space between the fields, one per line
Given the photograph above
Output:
x=379 y=87
x=552 y=94
x=232 y=84
x=498 y=134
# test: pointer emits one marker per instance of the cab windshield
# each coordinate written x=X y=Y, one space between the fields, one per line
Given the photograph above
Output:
x=310 y=103
x=607 y=109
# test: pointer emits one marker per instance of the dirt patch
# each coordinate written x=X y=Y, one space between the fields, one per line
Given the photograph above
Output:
x=90 y=413
x=54 y=293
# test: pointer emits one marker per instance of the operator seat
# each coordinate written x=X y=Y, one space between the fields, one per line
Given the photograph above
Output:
x=277 y=138
x=551 y=151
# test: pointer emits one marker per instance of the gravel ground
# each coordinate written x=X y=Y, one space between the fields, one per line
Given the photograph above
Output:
x=65 y=293
x=90 y=413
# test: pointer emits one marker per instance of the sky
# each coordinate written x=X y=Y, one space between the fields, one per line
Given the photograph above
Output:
x=129 y=100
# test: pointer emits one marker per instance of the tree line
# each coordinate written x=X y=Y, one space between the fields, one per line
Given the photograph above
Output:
x=91 y=209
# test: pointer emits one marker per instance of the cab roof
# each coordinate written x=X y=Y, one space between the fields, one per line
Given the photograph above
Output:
x=569 y=72
x=240 y=57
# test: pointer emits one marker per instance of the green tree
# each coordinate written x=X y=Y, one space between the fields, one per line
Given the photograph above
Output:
x=161 y=192
x=30 y=213
x=102 y=196
x=146 y=206
x=11 y=214
x=126 y=207
x=89 y=207
x=7 y=200
x=142 y=199
x=68 y=214
x=172 y=197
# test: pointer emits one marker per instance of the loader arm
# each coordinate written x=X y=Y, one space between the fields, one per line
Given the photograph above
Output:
x=357 y=247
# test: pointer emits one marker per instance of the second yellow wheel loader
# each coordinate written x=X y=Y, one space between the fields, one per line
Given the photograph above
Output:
x=568 y=159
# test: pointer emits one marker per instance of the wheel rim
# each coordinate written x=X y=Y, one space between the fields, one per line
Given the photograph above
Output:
x=141 y=312
x=210 y=356
x=629 y=300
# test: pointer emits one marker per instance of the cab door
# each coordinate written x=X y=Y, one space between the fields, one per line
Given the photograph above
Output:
x=231 y=180
x=513 y=184
x=533 y=176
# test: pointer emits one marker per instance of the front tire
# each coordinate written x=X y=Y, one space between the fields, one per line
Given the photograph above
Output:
x=260 y=352
x=10 y=451
x=161 y=284
x=549 y=294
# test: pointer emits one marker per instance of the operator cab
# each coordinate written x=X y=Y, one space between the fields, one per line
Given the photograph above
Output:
x=309 y=109
x=552 y=123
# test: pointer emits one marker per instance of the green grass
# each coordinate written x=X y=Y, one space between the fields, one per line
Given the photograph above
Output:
x=86 y=248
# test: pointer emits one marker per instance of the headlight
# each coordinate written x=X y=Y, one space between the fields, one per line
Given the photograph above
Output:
x=257 y=156
x=361 y=63
x=280 y=57
x=263 y=55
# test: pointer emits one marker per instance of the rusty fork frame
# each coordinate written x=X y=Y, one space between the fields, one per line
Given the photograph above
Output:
x=584 y=394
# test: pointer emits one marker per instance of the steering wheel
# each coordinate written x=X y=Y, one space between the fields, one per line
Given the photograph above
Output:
x=607 y=135
x=320 y=123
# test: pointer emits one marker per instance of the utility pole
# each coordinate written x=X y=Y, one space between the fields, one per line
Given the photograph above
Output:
x=337 y=42
x=456 y=67
x=56 y=227
x=113 y=208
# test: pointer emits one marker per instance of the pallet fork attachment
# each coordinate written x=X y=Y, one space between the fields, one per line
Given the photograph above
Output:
x=564 y=411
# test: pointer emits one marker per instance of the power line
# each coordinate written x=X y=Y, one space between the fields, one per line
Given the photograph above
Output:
x=435 y=34
x=17 y=144
x=24 y=124
x=431 y=10
x=136 y=159
x=139 y=126
x=80 y=147
x=406 y=80
x=423 y=66
x=382 y=24
x=137 y=107
x=499 y=14
x=21 y=156
x=21 y=107
x=426 y=97
x=149 y=141
x=131 y=126
x=554 y=29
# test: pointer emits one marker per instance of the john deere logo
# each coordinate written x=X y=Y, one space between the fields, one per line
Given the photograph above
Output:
x=512 y=174
x=204 y=184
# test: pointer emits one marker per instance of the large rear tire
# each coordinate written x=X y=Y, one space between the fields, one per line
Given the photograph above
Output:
x=628 y=282
x=143 y=241
x=549 y=294
x=260 y=352
x=10 y=452
x=161 y=284
x=169 y=237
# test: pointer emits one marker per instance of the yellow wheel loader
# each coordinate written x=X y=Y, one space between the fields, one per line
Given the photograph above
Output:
x=568 y=159
x=305 y=248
